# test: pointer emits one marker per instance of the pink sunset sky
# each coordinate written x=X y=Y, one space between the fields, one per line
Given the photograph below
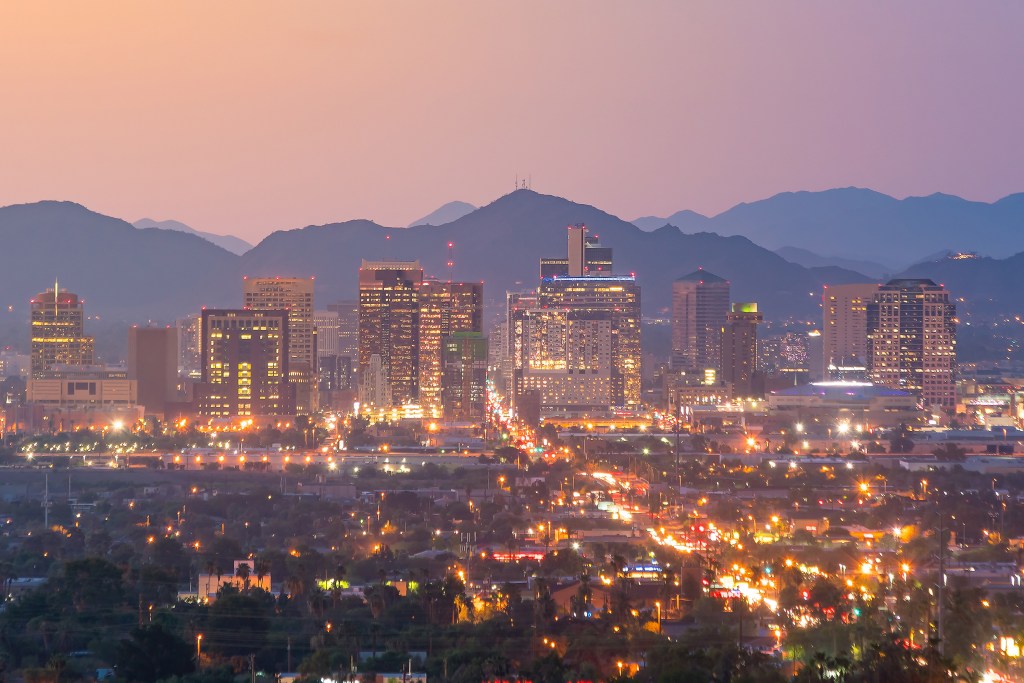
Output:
x=245 y=117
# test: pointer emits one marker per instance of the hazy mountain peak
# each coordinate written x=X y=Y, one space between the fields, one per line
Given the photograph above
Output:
x=452 y=211
x=231 y=243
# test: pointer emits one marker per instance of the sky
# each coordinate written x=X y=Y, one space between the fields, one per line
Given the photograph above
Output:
x=247 y=117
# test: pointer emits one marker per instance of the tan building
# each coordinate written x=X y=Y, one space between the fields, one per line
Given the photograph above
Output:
x=153 y=364
x=700 y=304
x=845 y=324
x=912 y=340
x=58 y=331
x=295 y=295
x=69 y=397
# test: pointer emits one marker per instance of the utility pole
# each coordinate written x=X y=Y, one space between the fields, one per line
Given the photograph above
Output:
x=942 y=588
x=289 y=654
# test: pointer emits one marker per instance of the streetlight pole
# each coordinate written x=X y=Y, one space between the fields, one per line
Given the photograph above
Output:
x=199 y=652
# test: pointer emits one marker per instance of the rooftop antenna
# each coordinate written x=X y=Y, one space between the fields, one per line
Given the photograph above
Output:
x=56 y=288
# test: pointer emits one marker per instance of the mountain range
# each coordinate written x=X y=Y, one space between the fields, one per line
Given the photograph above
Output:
x=859 y=224
x=235 y=245
x=134 y=275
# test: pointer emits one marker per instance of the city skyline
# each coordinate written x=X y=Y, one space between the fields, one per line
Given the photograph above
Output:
x=903 y=117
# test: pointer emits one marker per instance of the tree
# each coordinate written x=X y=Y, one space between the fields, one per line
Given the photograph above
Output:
x=153 y=653
x=243 y=572
x=93 y=583
x=900 y=441
x=238 y=622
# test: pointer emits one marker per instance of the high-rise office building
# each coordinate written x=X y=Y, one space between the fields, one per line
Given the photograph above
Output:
x=348 y=327
x=328 y=328
x=845 y=325
x=911 y=330
x=464 y=385
x=295 y=295
x=245 y=364
x=739 y=349
x=445 y=309
x=153 y=364
x=700 y=304
x=617 y=299
x=190 y=351
x=574 y=345
x=389 y=322
x=58 y=331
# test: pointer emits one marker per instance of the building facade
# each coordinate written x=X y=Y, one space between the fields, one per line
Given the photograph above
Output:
x=700 y=304
x=911 y=328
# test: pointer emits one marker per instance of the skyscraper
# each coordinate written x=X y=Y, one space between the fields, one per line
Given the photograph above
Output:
x=245 y=364
x=615 y=299
x=845 y=324
x=585 y=256
x=153 y=364
x=739 y=349
x=295 y=295
x=348 y=327
x=190 y=352
x=574 y=346
x=445 y=309
x=911 y=325
x=389 y=321
x=328 y=328
x=464 y=384
x=700 y=304
x=58 y=331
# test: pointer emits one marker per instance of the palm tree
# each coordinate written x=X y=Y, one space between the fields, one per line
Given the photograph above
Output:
x=243 y=571
x=262 y=569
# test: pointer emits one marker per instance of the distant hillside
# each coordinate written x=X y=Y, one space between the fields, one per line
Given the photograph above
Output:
x=862 y=224
x=502 y=242
x=122 y=272
x=451 y=211
x=235 y=245
x=811 y=260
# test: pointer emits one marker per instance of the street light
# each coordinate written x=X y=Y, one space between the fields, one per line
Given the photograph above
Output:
x=658 y=605
x=199 y=652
